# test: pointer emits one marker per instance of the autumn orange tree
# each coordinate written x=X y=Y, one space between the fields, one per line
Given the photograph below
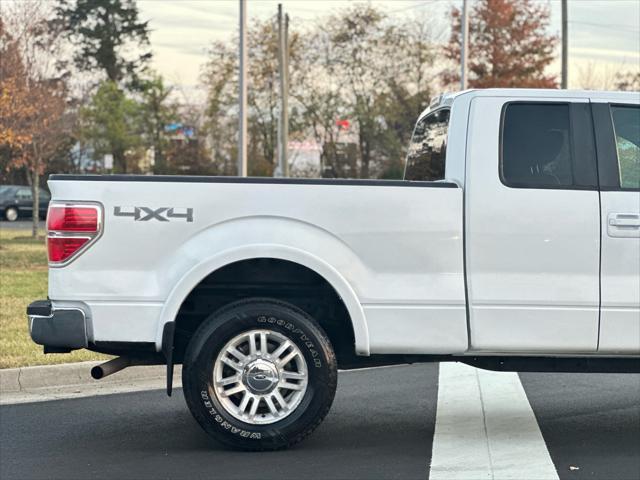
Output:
x=32 y=94
x=12 y=102
x=509 y=44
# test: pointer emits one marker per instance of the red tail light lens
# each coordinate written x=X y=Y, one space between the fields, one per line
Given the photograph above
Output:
x=63 y=248
x=64 y=218
x=70 y=230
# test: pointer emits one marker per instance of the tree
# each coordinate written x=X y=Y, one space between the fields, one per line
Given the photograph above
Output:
x=346 y=68
x=156 y=114
x=628 y=81
x=14 y=105
x=221 y=80
x=33 y=94
x=352 y=71
x=594 y=76
x=110 y=124
x=356 y=37
x=509 y=44
x=219 y=77
x=106 y=32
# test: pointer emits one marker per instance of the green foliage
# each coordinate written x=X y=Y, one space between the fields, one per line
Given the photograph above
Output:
x=105 y=33
x=110 y=123
x=155 y=114
x=132 y=128
x=221 y=124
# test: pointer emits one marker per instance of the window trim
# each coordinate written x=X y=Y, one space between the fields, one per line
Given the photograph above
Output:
x=406 y=158
x=572 y=139
x=606 y=146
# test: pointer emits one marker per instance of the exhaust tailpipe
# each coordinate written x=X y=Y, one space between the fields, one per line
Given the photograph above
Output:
x=112 y=366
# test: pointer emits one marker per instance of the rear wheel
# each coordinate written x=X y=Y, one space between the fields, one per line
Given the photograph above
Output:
x=259 y=374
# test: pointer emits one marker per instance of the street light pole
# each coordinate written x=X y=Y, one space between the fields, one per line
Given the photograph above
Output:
x=464 y=49
x=242 y=107
x=283 y=74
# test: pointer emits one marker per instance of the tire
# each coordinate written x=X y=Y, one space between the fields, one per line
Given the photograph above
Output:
x=11 y=214
x=307 y=364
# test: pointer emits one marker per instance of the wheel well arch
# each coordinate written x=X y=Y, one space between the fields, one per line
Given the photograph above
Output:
x=278 y=278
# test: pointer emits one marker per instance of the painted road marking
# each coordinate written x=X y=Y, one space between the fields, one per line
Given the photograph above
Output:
x=485 y=428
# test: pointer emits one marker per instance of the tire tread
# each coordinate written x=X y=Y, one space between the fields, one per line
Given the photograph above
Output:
x=200 y=336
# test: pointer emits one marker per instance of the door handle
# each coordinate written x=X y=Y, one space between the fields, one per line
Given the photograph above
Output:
x=628 y=220
x=623 y=225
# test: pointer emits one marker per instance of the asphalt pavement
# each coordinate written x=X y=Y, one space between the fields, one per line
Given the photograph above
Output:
x=381 y=426
x=588 y=421
x=20 y=224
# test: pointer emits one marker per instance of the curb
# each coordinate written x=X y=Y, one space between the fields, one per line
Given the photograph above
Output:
x=73 y=380
x=29 y=379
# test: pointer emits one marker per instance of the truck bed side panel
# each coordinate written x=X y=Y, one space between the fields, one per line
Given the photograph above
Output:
x=398 y=247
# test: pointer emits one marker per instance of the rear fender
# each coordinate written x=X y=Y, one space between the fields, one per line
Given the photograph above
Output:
x=300 y=234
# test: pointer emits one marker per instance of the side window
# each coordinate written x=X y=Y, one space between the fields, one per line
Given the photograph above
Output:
x=626 y=124
x=536 y=145
x=428 y=148
x=24 y=194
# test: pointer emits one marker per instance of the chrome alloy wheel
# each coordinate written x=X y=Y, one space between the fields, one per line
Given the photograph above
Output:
x=260 y=377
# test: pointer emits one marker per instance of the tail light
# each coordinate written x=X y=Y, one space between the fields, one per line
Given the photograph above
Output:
x=71 y=229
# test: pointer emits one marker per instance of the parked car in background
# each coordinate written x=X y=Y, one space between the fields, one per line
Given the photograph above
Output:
x=17 y=201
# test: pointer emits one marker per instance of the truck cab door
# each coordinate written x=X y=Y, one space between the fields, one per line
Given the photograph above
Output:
x=532 y=226
x=617 y=129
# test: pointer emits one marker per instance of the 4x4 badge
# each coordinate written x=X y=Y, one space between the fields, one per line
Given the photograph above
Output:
x=163 y=214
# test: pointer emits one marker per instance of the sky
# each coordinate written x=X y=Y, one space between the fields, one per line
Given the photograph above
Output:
x=604 y=35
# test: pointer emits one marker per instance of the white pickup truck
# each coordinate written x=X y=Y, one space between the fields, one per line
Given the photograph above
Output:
x=513 y=243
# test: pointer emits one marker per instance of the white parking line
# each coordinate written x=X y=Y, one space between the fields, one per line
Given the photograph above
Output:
x=485 y=429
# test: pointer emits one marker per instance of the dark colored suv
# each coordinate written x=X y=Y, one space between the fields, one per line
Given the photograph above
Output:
x=16 y=201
